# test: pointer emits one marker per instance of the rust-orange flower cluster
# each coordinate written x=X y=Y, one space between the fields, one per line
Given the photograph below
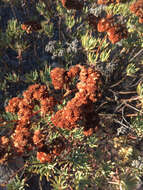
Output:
x=35 y=95
x=30 y=26
x=106 y=2
x=38 y=138
x=4 y=141
x=115 y=31
x=137 y=9
x=21 y=138
x=88 y=92
x=79 y=111
x=47 y=153
x=72 y=4
x=61 y=78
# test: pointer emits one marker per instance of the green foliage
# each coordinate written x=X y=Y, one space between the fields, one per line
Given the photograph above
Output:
x=131 y=69
x=17 y=184
x=122 y=9
x=48 y=29
x=140 y=90
x=45 y=74
x=59 y=183
x=137 y=126
x=15 y=36
x=13 y=77
x=41 y=7
x=9 y=117
x=88 y=42
x=32 y=77
x=70 y=21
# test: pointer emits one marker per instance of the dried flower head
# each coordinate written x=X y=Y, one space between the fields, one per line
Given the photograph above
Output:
x=105 y=23
x=58 y=145
x=91 y=123
x=106 y=2
x=21 y=137
x=59 y=78
x=47 y=104
x=137 y=9
x=48 y=152
x=60 y=121
x=25 y=114
x=73 y=71
x=90 y=82
x=88 y=92
x=115 y=34
x=13 y=105
x=38 y=138
x=141 y=20
x=30 y=26
x=3 y=156
x=4 y=141
x=35 y=92
x=44 y=157
x=72 y=4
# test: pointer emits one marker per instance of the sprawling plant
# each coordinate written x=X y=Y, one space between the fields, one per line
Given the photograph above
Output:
x=74 y=116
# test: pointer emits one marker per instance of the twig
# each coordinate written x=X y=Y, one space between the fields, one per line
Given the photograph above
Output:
x=132 y=137
x=123 y=116
x=101 y=44
x=121 y=123
x=132 y=115
x=136 y=55
x=128 y=92
x=112 y=182
x=114 y=93
x=139 y=105
x=110 y=99
x=40 y=185
x=15 y=173
x=116 y=84
x=101 y=106
x=128 y=105
x=107 y=115
x=130 y=99
x=140 y=80
x=119 y=107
